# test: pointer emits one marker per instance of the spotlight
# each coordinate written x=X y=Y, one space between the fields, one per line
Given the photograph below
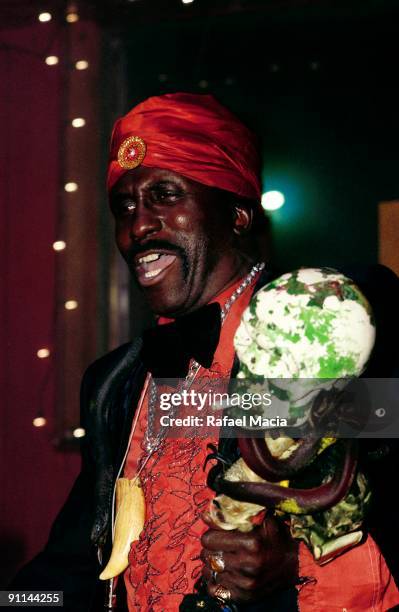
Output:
x=272 y=200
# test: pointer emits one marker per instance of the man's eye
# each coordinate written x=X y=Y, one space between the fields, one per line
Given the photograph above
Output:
x=126 y=207
x=165 y=195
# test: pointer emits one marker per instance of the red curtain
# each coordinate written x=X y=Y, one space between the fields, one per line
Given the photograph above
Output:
x=35 y=477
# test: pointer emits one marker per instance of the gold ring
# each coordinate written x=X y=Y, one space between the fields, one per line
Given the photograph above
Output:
x=222 y=593
x=217 y=562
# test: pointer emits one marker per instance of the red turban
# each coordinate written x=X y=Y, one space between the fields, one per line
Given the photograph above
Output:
x=192 y=135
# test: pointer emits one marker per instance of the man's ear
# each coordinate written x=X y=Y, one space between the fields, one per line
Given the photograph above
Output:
x=243 y=215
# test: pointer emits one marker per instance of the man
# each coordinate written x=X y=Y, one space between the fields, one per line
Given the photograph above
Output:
x=184 y=189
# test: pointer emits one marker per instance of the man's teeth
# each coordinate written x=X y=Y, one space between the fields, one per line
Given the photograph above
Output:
x=151 y=274
x=150 y=257
x=151 y=265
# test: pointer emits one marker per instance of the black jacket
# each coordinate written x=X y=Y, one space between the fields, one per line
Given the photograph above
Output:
x=70 y=560
x=110 y=387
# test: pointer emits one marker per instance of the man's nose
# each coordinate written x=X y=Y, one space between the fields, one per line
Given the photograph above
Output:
x=144 y=221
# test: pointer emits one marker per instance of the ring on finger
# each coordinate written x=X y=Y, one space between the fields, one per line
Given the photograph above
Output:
x=222 y=594
x=217 y=562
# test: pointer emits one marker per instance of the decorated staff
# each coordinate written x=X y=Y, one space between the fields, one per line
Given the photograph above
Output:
x=311 y=332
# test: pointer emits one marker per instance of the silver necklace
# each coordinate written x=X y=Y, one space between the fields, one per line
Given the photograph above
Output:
x=151 y=444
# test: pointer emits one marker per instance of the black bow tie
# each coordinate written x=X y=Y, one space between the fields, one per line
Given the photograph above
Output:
x=168 y=348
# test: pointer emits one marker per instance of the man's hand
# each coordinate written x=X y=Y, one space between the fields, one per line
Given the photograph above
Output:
x=255 y=564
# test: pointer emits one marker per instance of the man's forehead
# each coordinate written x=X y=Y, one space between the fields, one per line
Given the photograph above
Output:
x=147 y=176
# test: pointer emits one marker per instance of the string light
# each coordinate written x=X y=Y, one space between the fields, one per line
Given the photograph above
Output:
x=71 y=187
x=43 y=17
x=51 y=60
x=39 y=421
x=79 y=432
x=78 y=122
x=59 y=245
x=81 y=65
x=72 y=17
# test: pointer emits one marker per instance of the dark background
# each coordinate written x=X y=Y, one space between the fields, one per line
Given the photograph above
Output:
x=317 y=81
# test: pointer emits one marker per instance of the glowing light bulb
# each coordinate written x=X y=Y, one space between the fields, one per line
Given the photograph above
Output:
x=51 y=60
x=272 y=200
x=72 y=17
x=71 y=305
x=43 y=353
x=81 y=65
x=78 y=122
x=59 y=245
x=79 y=432
x=71 y=187
x=39 y=421
x=43 y=17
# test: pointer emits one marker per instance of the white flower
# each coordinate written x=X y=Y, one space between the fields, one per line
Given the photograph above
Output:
x=331 y=303
x=311 y=276
x=288 y=338
x=353 y=333
x=243 y=335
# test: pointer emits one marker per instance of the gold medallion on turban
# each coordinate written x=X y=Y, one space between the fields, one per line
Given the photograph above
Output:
x=131 y=152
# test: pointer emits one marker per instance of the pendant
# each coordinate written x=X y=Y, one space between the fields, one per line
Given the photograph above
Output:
x=129 y=523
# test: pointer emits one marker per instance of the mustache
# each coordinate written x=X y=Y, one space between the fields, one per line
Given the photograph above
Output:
x=156 y=245
x=153 y=245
